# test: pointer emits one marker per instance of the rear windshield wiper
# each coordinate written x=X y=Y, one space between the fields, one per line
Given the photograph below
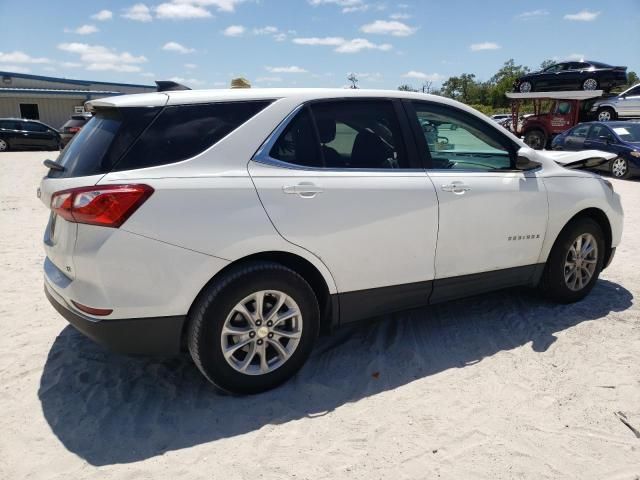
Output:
x=53 y=165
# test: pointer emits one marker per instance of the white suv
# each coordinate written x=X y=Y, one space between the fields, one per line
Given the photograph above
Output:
x=242 y=223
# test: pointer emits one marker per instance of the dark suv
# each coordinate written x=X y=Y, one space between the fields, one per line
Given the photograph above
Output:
x=73 y=126
x=20 y=133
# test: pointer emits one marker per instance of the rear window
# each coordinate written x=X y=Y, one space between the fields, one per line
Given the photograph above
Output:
x=139 y=137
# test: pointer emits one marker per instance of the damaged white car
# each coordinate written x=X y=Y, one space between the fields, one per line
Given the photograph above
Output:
x=241 y=223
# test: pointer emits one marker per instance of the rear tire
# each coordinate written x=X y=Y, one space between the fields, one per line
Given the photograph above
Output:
x=606 y=114
x=226 y=314
x=571 y=253
x=536 y=139
x=525 y=87
x=4 y=145
x=590 y=84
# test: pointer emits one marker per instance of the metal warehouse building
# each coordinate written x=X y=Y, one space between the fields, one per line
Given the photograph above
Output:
x=52 y=100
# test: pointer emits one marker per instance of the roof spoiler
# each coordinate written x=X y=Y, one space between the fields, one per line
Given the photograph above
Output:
x=170 y=86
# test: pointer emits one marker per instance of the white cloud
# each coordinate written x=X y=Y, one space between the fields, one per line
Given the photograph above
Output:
x=71 y=64
x=269 y=79
x=343 y=45
x=268 y=30
x=20 y=57
x=148 y=74
x=476 y=47
x=388 y=27
x=348 y=6
x=432 y=77
x=83 y=30
x=15 y=68
x=533 y=14
x=98 y=57
x=234 y=31
x=582 y=16
x=138 y=12
x=400 y=16
x=291 y=69
x=358 y=44
x=176 y=47
x=220 y=5
x=190 y=66
x=575 y=56
x=103 y=15
x=181 y=11
x=190 y=81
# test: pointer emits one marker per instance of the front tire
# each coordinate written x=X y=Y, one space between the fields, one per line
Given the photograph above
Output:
x=606 y=114
x=254 y=328
x=536 y=139
x=620 y=168
x=4 y=145
x=575 y=261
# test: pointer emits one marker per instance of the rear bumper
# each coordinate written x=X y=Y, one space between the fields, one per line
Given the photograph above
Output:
x=159 y=336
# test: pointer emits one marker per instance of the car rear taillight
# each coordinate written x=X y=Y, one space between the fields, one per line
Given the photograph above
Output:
x=107 y=206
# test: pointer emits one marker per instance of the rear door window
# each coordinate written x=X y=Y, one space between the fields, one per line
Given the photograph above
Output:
x=138 y=137
x=182 y=132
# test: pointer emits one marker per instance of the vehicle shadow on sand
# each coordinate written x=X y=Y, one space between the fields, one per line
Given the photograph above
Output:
x=109 y=408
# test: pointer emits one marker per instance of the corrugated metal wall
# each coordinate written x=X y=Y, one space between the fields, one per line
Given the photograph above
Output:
x=54 y=111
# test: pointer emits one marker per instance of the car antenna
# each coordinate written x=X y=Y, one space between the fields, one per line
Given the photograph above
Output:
x=170 y=86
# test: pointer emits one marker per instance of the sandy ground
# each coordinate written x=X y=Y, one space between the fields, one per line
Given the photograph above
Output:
x=500 y=386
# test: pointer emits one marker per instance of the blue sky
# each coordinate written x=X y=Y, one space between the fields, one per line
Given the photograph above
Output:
x=205 y=43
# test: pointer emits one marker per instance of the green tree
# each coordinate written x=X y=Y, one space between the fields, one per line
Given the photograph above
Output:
x=632 y=79
x=547 y=63
x=406 y=88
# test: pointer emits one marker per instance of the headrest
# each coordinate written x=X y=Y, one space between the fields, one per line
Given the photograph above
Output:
x=326 y=129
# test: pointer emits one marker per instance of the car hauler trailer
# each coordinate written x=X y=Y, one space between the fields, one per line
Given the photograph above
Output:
x=539 y=129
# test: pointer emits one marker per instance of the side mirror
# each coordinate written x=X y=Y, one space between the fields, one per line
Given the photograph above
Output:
x=605 y=139
x=523 y=162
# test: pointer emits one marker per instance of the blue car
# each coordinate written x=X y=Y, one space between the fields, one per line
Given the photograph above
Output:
x=622 y=138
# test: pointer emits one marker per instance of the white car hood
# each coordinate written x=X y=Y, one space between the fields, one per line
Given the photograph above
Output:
x=584 y=158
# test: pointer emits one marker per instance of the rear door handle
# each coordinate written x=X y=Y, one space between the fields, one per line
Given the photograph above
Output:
x=456 y=187
x=306 y=190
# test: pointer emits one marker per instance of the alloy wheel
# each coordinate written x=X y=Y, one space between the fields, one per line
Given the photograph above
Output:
x=619 y=167
x=525 y=87
x=580 y=262
x=590 y=84
x=3 y=145
x=604 y=116
x=262 y=332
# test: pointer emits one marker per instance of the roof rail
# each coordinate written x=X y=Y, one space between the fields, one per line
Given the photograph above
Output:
x=169 y=86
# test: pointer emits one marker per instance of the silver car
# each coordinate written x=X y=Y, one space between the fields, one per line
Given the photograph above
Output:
x=624 y=105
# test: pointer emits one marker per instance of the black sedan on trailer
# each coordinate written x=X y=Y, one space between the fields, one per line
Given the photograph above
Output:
x=23 y=134
x=583 y=75
x=622 y=138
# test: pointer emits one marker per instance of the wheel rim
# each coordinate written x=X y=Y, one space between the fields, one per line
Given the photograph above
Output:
x=3 y=145
x=525 y=87
x=604 y=116
x=619 y=167
x=580 y=262
x=262 y=332
x=590 y=84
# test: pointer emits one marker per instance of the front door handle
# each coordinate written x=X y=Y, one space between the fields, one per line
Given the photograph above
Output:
x=305 y=190
x=456 y=187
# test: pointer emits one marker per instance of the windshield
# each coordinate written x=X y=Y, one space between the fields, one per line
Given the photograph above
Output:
x=628 y=133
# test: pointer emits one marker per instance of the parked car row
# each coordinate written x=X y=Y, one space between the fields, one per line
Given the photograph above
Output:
x=25 y=134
